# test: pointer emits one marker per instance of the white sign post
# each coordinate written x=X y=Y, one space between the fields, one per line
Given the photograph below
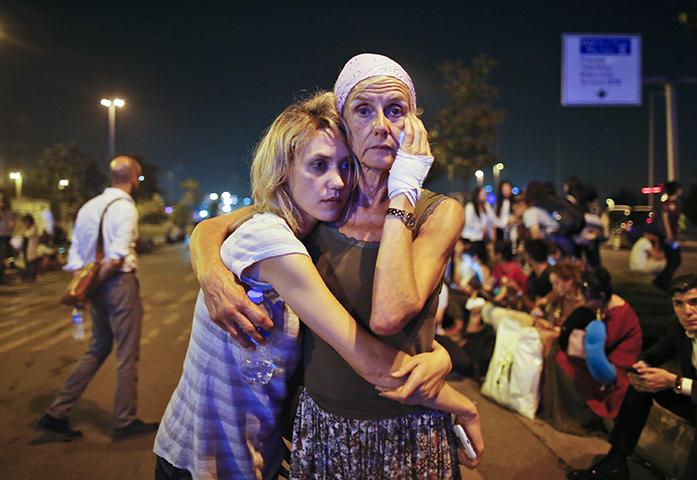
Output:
x=601 y=69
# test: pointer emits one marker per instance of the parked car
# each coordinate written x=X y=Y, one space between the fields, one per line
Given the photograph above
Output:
x=627 y=223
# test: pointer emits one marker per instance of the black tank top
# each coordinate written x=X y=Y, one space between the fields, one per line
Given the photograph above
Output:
x=347 y=266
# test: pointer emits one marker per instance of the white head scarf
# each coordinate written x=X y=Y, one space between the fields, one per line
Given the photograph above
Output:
x=367 y=65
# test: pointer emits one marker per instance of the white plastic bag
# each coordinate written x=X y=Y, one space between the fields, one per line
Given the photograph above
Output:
x=513 y=378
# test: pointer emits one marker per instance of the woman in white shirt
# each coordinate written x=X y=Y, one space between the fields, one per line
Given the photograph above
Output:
x=478 y=225
x=501 y=214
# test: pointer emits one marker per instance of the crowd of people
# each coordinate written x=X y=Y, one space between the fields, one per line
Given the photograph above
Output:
x=26 y=247
x=535 y=257
x=346 y=255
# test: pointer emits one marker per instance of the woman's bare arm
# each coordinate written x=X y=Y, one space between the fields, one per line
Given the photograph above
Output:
x=407 y=270
x=225 y=297
x=297 y=281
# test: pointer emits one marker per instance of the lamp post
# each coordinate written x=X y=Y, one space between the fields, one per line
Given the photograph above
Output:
x=480 y=177
x=112 y=105
x=17 y=177
x=497 y=174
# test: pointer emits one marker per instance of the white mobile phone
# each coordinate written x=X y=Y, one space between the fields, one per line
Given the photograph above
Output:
x=464 y=441
x=401 y=138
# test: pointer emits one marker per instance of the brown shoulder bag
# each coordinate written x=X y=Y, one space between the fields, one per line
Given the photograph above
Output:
x=86 y=279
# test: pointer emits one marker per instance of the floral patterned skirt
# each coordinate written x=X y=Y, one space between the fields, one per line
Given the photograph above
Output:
x=416 y=446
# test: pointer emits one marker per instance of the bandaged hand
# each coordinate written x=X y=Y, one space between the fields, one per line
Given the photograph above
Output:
x=407 y=175
x=412 y=163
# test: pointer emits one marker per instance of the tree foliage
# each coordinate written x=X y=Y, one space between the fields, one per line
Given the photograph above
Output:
x=149 y=186
x=66 y=161
x=152 y=210
x=465 y=131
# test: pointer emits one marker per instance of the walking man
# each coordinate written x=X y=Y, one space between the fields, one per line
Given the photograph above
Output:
x=675 y=391
x=115 y=304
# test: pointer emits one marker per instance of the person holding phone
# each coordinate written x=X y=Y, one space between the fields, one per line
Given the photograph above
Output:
x=675 y=391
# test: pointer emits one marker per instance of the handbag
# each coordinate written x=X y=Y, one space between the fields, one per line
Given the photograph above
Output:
x=513 y=378
x=86 y=279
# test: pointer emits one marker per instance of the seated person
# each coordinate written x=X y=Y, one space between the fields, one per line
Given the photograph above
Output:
x=467 y=268
x=554 y=308
x=510 y=282
x=675 y=391
x=538 y=285
x=646 y=255
x=471 y=346
x=583 y=386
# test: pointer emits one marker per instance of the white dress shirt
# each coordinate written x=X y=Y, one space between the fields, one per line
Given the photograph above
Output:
x=476 y=226
x=687 y=382
x=501 y=219
x=120 y=231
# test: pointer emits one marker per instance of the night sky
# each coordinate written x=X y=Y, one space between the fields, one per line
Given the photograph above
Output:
x=202 y=80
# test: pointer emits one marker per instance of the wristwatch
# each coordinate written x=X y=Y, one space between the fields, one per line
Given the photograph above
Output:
x=677 y=386
x=407 y=219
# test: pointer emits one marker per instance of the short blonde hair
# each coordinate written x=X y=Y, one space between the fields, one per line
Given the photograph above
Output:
x=289 y=133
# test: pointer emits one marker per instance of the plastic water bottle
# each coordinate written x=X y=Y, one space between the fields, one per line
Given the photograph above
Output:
x=78 y=322
x=257 y=366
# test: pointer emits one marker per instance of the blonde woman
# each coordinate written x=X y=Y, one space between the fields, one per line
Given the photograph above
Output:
x=216 y=425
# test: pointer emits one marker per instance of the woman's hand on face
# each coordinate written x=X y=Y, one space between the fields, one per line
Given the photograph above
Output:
x=415 y=140
x=230 y=308
x=426 y=374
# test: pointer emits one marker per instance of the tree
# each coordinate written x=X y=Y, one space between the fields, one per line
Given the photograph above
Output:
x=184 y=208
x=192 y=194
x=148 y=187
x=465 y=131
x=152 y=210
x=66 y=161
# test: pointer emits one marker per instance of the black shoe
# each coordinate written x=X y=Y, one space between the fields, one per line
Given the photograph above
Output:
x=134 y=429
x=603 y=470
x=61 y=427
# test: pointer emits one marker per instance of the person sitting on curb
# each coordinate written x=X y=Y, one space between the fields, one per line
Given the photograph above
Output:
x=674 y=391
x=646 y=255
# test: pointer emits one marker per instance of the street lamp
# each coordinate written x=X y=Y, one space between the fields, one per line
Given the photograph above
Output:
x=497 y=173
x=480 y=177
x=63 y=183
x=112 y=105
x=17 y=177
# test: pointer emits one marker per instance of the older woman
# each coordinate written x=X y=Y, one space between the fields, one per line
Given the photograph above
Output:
x=344 y=427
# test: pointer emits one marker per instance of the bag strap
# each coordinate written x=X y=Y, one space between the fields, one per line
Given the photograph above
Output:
x=99 y=256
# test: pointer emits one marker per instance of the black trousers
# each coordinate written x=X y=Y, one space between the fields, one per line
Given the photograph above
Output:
x=166 y=471
x=633 y=415
x=673 y=261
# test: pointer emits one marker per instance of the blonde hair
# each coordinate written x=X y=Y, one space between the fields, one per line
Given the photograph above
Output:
x=289 y=133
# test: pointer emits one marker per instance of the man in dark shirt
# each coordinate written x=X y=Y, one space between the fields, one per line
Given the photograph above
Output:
x=538 y=281
x=670 y=216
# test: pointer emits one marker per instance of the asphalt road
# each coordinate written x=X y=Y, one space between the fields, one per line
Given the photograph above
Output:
x=37 y=353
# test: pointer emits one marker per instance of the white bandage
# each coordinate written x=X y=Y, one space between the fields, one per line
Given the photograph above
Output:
x=407 y=175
